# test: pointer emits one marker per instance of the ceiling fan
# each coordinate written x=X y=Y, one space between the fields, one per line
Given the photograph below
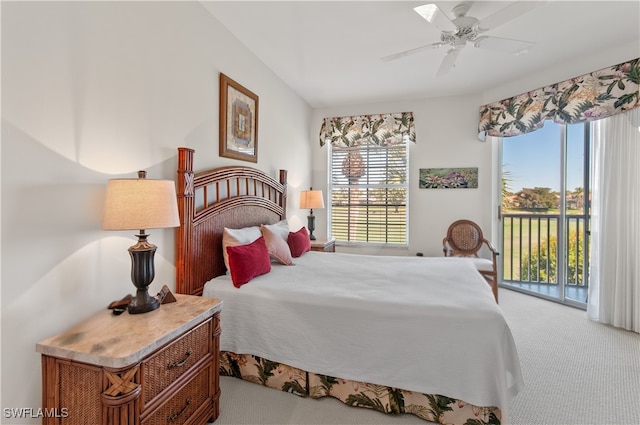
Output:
x=460 y=30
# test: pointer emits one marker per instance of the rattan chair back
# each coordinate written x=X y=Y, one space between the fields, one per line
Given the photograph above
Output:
x=464 y=238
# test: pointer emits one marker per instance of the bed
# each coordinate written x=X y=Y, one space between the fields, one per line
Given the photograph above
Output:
x=396 y=334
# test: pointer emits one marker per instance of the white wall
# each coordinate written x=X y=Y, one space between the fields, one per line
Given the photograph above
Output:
x=93 y=91
x=446 y=136
x=538 y=78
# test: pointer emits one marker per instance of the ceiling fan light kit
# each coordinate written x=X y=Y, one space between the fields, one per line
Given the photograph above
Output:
x=459 y=30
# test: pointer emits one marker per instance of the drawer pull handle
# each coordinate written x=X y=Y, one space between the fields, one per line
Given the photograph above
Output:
x=172 y=417
x=180 y=363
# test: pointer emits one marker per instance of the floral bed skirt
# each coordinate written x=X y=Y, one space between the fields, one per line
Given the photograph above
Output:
x=431 y=407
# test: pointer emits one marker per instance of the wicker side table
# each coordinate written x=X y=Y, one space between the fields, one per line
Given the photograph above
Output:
x=149 y=368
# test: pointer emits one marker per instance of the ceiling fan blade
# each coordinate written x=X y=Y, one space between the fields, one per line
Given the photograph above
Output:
x=508 y=13
x=507 y=45
x=448 y=62
x=432 y=14
x=432 y=46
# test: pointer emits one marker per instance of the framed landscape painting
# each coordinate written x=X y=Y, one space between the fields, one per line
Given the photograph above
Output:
x=448 y=178
x=238 y=121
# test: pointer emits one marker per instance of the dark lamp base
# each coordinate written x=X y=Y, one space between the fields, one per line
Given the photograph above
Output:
x=311 y=225
x=142 y=274
x=143 y=303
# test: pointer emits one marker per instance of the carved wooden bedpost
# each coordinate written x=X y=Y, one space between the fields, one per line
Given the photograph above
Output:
x=185 y=192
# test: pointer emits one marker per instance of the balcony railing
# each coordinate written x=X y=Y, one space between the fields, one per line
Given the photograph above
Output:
x=530 y=249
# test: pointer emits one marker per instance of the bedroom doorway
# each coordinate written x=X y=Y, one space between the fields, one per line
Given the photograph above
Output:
x=545 y=212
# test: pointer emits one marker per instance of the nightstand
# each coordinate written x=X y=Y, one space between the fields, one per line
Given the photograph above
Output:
x=323 y=245
x=151 y=368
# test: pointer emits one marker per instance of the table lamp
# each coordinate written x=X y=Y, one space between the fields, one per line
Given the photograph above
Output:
x=310 y=199
x=139 y=204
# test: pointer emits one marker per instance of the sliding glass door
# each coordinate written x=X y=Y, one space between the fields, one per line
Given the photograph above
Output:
x=576 y=211
x=544 y=212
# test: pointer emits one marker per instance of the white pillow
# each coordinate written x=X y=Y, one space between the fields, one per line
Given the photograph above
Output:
x=235 y=237
x=281 y=228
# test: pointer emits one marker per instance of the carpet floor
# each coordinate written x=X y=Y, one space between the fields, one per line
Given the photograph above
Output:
x=576 y=372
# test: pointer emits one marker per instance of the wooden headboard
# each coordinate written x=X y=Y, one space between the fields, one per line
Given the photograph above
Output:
x=209 y=201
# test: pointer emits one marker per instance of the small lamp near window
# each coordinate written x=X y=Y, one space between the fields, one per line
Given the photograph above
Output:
x=310 y=199
x=139 y=204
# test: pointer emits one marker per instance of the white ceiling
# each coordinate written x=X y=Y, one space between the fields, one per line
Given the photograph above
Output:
x=329 y=51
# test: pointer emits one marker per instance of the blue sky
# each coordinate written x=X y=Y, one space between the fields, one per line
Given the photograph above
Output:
x=533 y=159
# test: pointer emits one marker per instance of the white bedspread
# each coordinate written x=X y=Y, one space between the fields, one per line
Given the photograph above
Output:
x=427 y=325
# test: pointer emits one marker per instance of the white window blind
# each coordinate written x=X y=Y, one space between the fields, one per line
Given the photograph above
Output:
x=368 y=193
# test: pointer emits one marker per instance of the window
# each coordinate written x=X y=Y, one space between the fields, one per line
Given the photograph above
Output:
x=368 y=193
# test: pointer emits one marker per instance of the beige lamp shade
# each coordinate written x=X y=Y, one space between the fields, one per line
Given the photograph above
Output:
x=310 y=199
x=133 y=204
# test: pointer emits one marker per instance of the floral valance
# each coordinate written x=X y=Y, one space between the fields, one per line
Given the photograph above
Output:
x=589 y=97
x=381 y=130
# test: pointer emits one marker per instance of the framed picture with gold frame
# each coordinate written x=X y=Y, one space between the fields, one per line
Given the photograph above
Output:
x=238 y=121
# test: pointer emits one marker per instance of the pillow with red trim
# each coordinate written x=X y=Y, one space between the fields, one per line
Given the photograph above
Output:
x=277 y=246
x=248 y=261
x=299 y=242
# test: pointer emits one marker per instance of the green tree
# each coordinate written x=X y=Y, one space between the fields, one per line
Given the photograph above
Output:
x=537 y=198
x=575 y=259
x=507 y=178
x=541 y=265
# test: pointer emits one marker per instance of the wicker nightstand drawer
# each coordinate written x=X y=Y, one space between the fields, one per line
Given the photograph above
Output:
x=185 y=403
x=168 y=364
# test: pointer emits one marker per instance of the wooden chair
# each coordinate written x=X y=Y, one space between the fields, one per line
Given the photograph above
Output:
x=464 y=239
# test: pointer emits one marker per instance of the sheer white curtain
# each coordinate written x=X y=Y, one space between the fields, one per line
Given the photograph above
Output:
x=614 y=292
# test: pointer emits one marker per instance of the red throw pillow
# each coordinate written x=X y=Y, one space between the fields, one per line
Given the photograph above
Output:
x=248 y=261
x=299 y=242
